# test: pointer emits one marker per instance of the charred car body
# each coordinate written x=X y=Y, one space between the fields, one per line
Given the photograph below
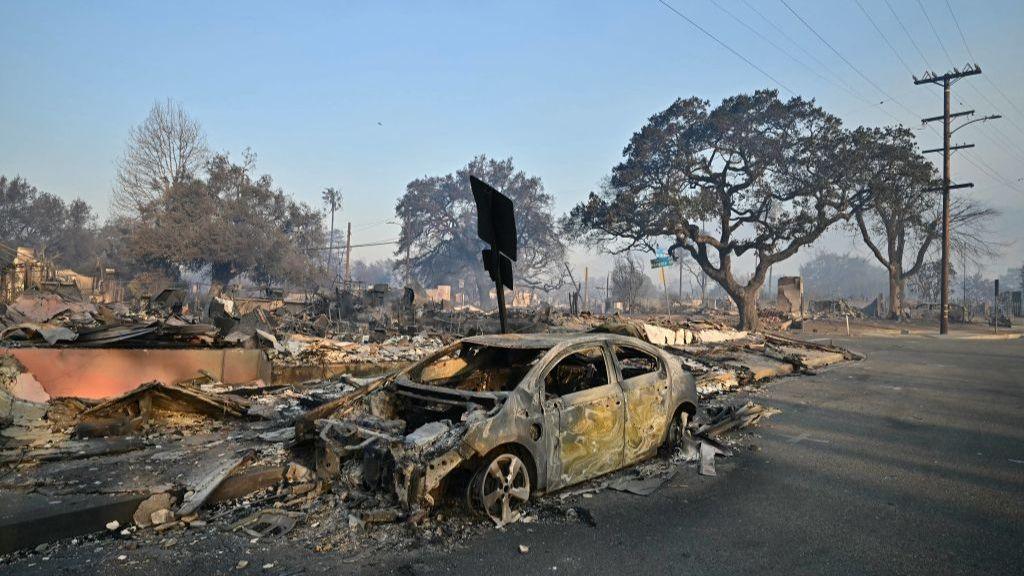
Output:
x=504 y=417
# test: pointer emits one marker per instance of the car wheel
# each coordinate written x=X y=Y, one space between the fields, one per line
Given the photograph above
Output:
x=501 y=488
x=679 y=436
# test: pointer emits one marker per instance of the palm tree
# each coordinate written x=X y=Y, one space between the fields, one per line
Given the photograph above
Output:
x=332 y=199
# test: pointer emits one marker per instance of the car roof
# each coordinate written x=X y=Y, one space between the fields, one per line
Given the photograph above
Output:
x=540 y=341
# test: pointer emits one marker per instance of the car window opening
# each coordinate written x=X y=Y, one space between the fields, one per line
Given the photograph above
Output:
x=577 y=372
x=477 y=368
x=635 y=362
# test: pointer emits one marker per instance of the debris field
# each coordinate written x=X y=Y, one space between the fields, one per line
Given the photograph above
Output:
x=350 y=463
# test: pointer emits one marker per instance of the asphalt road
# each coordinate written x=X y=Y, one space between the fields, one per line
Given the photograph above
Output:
x=909 y=462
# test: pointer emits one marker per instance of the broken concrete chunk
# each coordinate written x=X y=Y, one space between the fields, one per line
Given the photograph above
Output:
x=659 y=336
x=684 y=337
x=711 y=335
x=143 y=516
x=162 y=516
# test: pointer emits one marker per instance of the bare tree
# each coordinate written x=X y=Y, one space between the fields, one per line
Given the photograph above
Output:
x=699 y=277
x=167 y=148
x=629 y=282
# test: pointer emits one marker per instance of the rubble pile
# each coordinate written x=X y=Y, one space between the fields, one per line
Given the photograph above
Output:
x=297 y=460
x=723 y=358
x=298 y=349
x=41 y=318
x=824 y=309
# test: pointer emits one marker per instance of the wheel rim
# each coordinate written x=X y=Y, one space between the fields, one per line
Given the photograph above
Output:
x=677 y=433
x=503 y=488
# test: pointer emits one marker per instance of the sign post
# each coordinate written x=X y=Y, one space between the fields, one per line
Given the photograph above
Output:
x=496 y=225
x=659 y=263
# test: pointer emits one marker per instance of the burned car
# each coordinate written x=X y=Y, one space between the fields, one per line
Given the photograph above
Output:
x=499 y=418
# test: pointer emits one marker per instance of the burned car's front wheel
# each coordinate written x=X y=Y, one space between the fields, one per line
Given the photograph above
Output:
x=501 y=488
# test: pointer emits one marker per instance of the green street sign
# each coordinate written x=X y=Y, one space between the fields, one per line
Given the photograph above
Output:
x=661 y=262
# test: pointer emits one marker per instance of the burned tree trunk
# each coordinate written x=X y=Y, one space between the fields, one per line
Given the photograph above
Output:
x=483 y=288
x=896 y=282
x=220 y=276
x=746 y=305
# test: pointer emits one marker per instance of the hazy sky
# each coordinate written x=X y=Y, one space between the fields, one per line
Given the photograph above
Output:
x=369 y=95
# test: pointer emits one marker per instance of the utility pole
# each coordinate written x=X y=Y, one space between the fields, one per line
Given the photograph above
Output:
x=664 y=286
x=680 y=281
x=607 y=294
x=586 y=288
x=348 y=253
x=995 y=309
x=946 y=81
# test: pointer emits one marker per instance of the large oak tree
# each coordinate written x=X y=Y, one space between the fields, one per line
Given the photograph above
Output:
x=754 y=176
x=439 y=231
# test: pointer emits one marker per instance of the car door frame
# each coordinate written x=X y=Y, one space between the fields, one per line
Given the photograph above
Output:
x=645 y=398
x=559 y=411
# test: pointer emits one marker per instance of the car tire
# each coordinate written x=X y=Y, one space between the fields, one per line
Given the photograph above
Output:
x=679 y=437
x=501 y=488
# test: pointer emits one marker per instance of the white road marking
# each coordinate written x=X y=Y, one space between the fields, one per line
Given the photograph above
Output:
x=806 y=436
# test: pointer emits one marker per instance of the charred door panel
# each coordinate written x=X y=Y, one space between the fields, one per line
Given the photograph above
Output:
x=590 y=433
x=645 y=389
x=646 y=417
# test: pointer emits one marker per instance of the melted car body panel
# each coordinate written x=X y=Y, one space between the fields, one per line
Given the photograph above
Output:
x=646 y=416
x=590 y=434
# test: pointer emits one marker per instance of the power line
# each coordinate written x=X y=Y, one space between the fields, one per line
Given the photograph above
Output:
x=1002 y=142
x=935 y=32
x=979 y=163
x=884 y=37
x=1010 y=102
x=783 y=50
x=991 y=172
x=726 y=46
x=828 y=69
x=958 y=29
x=963 y=38
x=365 y=245
x=1008 y=144
x=909 y=35
x=844 y=59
